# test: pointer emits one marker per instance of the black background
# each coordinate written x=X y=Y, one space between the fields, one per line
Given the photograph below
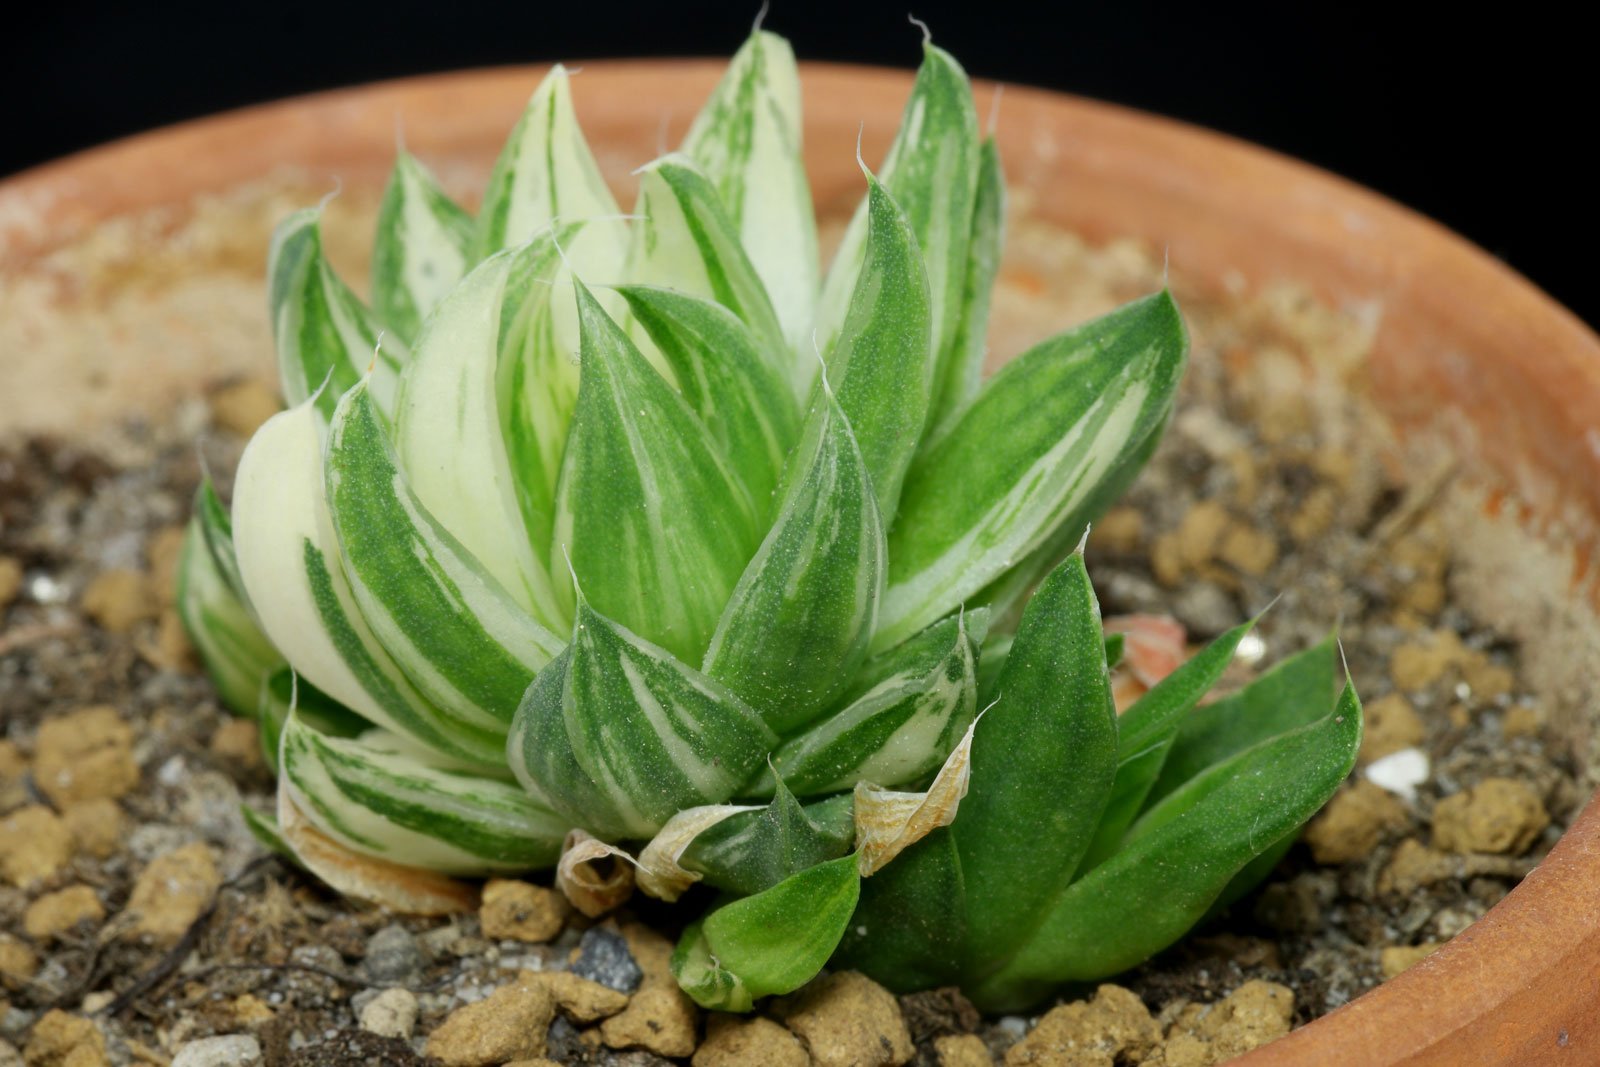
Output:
x=1481 y=119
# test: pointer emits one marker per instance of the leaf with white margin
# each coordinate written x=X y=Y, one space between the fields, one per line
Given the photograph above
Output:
x=451 y=627
x=236 y=654
x=1036 y=444
x=932 y=170
x=382 y=800
x=324 y=334
x=422 y=249
x=888 y=823
x=798 y=623
x=448 y=428
x=747 y=140
x=683 y=238
x=654 y=521
x=741 y=394
x=283 y=692
x=290 y=563
x=898 y=731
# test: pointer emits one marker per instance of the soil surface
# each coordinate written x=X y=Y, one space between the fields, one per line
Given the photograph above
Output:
x=140 y=922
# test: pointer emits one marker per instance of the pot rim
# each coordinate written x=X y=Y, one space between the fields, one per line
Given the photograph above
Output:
x=1518 y=985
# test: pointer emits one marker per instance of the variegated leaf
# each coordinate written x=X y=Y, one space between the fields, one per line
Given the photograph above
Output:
x=747 y=141
x=798 y=623
x=770 y=943
x=755 y=850
x=902 y=728
x=741 y=393
x=460 y=638
x=383 y=801
x=654 y=520
x=683 y=238
x=423 y=247
x=932 y=170
x=283 y=692
x=1034 y=446
x=326 y=337
x=215 y=526
x=487 y=487
x=236 y=653
x=882 y=364
x=290 y=563
x=962 y=368
x=630 y=722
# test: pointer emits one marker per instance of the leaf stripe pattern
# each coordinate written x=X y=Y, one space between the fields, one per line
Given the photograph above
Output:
x=422 y=250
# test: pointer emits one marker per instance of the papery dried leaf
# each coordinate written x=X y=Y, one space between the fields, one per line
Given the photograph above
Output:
x=888 y=823
x=591 y=889
x=660 y=875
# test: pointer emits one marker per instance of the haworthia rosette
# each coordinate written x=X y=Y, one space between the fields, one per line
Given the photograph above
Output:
x=423 y=248
x=747 y=141
x=1032 y=448
x=455 y=631
x=654 y=520
x=326 y=337
x=798 y=622
x=383 y=801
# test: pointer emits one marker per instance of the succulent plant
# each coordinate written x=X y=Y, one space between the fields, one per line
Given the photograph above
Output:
x=600 y=535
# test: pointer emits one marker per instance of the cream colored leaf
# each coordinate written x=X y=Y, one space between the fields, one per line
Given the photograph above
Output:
x=660 y=875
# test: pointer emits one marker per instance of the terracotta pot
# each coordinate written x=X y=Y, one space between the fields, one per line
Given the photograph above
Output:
x=1468 y=354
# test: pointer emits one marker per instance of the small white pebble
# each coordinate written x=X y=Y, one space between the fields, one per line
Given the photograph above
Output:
x=1251 y=649
x=46 y=590
x=1014 y=1027
x=232 y=1050
x=1400 y=772
x=392 y=1013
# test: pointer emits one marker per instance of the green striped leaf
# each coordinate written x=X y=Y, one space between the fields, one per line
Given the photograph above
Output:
x=747 y=140
x=326 y=337
x=235 y=652
x=382 y=800
x=460 y=638
x=683 y=238
x=882 y=364
x=283 y=692
x=932 y=170
x=1145 y=733
x=547 y=172
x=650 y=734
x=1179 y=857
x=448 y=428
x=423 y=247
x=655 y=522
x=798 y=623
x=216 y=530
x=740 y=393
x=962 y=369
x=1043 y=761
x=755 y=850
x=1294 y=692
x=290 y=563
x=1031 y=450
x=770 y=943
x=901 y=729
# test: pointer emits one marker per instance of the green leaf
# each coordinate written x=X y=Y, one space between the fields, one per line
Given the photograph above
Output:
x=546 y=172
x=290 y=563
x=1043 y=761
x=1179 y=857
x=755 y=850
x=962 y=369
x=423 y=247
x=454 y=630
x=911 y=923
x=216 y=530
x=1295 y=692
x=932 y=171
x=770 y=943
x=655 y=523
x=1145 y=733
x=882 y=364
x=651 y=735
x=383 y=799
x=683 y=238
x=263 y=826
x=236 y=654
x=283 y=692
x=450 y=434
x=1029 y=452
x=747 y=141
x=326 y=337
x=900 y=730
x=797 y=624
x=741 y=395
